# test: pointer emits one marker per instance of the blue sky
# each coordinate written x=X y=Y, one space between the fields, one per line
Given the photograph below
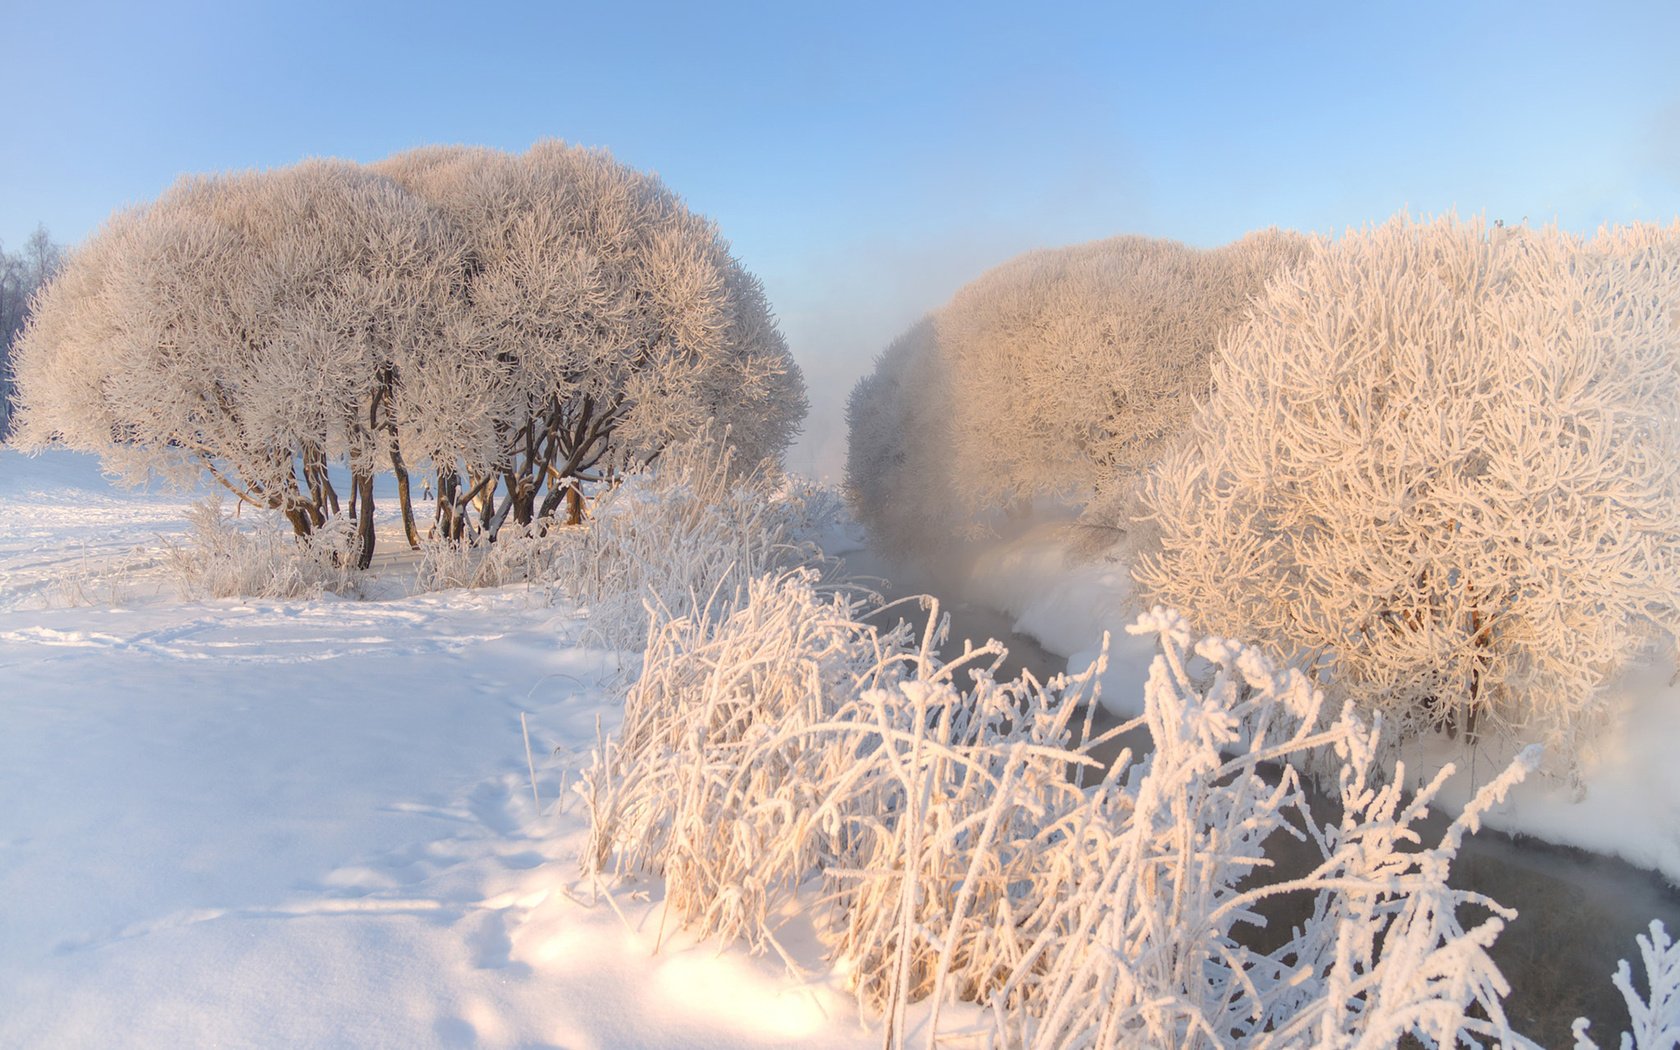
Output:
x=868 y=159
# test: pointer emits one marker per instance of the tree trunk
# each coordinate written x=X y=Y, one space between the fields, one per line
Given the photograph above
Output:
x=322 y=496
x=448 y=488
x=551 y=500
x=487 y=501
x=299 y=520
x=400 y=469
x=362 y=492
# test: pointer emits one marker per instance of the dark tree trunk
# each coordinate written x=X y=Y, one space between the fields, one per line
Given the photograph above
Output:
x=557 y=489
x=448 y=490
x=400 y=469
x=361 y=490
x=486 y=495
x=296 y=502
x=323 y=498
x=300 y=522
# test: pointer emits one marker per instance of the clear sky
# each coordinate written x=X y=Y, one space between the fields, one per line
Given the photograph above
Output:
x=866 y=160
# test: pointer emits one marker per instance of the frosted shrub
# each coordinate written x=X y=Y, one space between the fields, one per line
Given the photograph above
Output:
x=1656 y=1017
x=1071 y=366
x=1446 y=460
x=1057 y=375
x=680 y=534
x=934 y=824
x=219 y=559
x=520 y=554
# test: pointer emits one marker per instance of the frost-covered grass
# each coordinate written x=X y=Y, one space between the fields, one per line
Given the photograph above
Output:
x=256 y=555
x=520 y=554
x=782 y=755
x=791 y=766
x=1656 y=1010
x=220 y=559
x=684 y=534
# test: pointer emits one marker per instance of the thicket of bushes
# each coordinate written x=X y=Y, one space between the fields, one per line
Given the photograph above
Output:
x=1437 y=463
x=517 y=326
x=673 y=536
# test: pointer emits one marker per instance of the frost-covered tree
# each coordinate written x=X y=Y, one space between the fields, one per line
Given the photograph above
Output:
x=600 y=320
x=1071 y=365
x=1442 y=460
x=244 y=325
x=517 y=323
x=1057 y=375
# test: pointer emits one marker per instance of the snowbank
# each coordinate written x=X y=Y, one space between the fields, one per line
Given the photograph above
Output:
x=1627 y=803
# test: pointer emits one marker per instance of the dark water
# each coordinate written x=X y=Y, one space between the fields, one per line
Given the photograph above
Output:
x=1578 y=912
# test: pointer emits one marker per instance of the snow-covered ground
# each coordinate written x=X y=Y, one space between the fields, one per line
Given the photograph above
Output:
x=310 y=823
x=1626 y=805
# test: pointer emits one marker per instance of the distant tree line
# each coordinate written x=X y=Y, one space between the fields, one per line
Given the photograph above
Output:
x=21 y=273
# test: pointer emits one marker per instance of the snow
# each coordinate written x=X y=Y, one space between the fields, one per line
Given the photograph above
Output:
x=1627 y=801
x=310 y=823
x=1067 y=603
